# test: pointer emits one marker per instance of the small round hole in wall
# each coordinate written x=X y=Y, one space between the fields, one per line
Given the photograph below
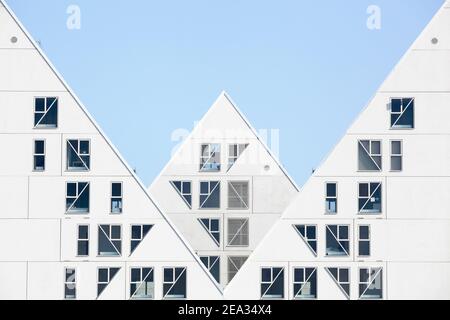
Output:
x=266 y=167
x=434 y=40
x=14 y=39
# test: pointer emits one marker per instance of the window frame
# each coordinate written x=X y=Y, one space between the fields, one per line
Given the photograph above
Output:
x=392 y=155
x=236 y=157
x=361 y=212
x=109 y=278
x=87 y=168
x=392 y=127
x=264 y=296
x=35 y=154
x=83 y=240
x=143 y=235
x=368 y=240
x=338 y=281
x=45 y=127
x=208 y=229
x=338 y=239
x=66 y=283
x=219 y=183
x=295 y=295
x=173 y=282
x=209 y=157
x=80 y=212
x=370 y=154
x=306 y=239
x=139 y=284
x=246 y=223
x=371 y=279
x=111 y=239
x=115 y=198
x=230 y=185
x=327 y=197
x=181 y=193
x=210 y=265
x=231 y=262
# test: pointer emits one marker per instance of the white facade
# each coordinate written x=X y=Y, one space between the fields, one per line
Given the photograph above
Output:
x=394 y=235
x=75 y=220
x=249 y=189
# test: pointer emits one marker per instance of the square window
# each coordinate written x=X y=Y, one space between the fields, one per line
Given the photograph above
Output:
x=45 y=112
x=402 y=113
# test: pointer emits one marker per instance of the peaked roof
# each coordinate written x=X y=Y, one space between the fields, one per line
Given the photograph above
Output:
x=405 y=69
x=103 y=135
x=224 y=95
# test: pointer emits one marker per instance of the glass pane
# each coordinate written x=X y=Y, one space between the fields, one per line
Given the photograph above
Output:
x=396 y=147
x=331 y=189
x=116 y=189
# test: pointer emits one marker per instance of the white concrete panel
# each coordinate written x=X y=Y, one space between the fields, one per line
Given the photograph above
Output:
x=8 y=30
x=24 y=70
x=13 y=280
x=420 y=71
x=272 y=194
x=18 y=116
x=18 y=160
x=418 y=281
x=418 y=198
x=14 y=197
x=439 y=28
x=430 y=114
x=30 y=240
x=103 y=159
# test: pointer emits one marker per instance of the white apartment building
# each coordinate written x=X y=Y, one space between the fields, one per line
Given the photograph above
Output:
x=223 y=189
x=372 y=221
x=75 y=221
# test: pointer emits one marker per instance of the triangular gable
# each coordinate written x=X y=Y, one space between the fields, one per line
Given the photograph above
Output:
x=421 y=74
x=24 y=51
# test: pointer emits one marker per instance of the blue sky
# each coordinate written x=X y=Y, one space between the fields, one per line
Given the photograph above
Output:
x=145 y=68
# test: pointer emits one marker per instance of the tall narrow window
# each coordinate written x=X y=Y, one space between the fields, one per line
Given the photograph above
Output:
x=174 y=285
x=238 y=233
x=402 y=113
x=337 y=240
x=78 y=155
x=116 y=198
x=83 y=241
x=341 y=277
x=70 y=283
x=39 y=155
x=396 y=155
x=210 y=157
x=184 y=190
x=46 y=112
x=138 y=233
x=210 y=195
x=234 y=152
x=305 y=283
x=238 y=195
x=364 y=240
x=370 y=283
x=142 y=284
x=234 y=265
x=369 y=198
x=331 y=197
x=212 y=226
x=369 y=155
x=77 y=197
x=213 y=265
x=109 y=240
x=308 y=233
x=272 y=283
x=104 y=278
